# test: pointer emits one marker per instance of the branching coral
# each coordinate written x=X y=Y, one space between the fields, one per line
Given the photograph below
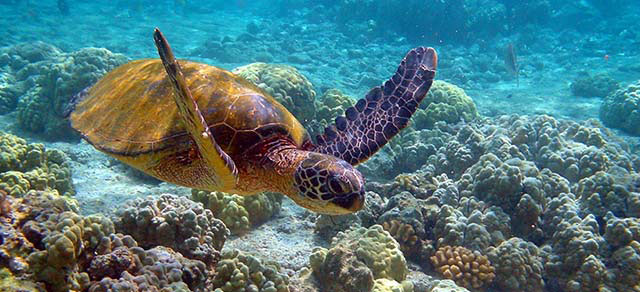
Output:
x=175 y=222
x=467 y=268
x=237 y=212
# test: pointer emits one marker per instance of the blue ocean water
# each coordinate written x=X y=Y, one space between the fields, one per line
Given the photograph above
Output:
x=526 y=149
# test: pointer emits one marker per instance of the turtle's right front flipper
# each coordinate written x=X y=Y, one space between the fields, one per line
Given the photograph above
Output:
x=224 y=169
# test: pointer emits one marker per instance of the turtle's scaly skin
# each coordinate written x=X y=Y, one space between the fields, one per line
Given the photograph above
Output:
x=385 y=110
x=129 y=115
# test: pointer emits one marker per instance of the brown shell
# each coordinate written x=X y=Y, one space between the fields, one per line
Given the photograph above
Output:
x=130 y=111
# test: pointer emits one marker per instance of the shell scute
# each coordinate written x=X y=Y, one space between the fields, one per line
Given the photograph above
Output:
x=130 y=111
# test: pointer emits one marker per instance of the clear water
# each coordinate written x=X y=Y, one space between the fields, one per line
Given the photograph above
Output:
x=570 y=57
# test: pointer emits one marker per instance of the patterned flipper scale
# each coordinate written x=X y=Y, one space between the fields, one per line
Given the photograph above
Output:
x=222 y=167
x=385 y=110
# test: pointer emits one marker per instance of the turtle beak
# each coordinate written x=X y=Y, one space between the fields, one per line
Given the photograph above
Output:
x=351 y=203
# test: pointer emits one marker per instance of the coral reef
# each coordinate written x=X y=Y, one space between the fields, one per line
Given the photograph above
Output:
x=518 y=266
x=599 y=85
x=357 y=258
x=467 y=268
x=621 y=109
x=45 y=79
x=286 y=85
x=330 y=105
x=445 y=102
x=239 y=272
x=123 y=266
x=239 y=213
x=46 y=245
x=29 y=166
x=174 y=222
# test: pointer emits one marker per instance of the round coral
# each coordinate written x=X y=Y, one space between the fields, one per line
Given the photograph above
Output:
x=237 y=212
x=621 y=109
x=444 y=102
x=286 y=85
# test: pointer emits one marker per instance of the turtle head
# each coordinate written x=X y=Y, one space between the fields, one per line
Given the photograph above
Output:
x=328 y=185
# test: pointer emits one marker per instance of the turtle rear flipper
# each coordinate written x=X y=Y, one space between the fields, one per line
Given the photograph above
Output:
x=385 y=110
x=223 y=168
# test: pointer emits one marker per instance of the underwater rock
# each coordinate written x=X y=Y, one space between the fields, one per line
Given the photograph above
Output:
x=46 y=79
x=240 y=213
x=621 y=109
x=357 y=258
x=174 y=222
x=444 y=102
x=467 y=268
x=239 y=272
x=29 y=166
x=599 y=85
x=285 y=83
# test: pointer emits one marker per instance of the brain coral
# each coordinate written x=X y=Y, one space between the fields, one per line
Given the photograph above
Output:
x=444 y=102
x=175 y=222
x=286 y=85
x=621 y=109
x=25 y=166
x=357 y=258
x=47 y=83
x=467 y=268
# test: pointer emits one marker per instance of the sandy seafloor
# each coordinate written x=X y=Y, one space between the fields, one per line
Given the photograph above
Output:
x=102 y=184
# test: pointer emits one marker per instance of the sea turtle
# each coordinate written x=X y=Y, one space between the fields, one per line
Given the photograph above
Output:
x=199 y=126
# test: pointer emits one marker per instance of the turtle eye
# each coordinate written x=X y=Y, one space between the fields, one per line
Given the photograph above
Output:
x=336 y=185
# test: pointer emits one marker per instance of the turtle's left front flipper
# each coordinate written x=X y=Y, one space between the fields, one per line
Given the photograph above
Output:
x=223 y=168
x=386 y=110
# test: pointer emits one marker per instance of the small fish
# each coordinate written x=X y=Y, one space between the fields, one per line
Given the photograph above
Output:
x=606 y=57
x=509 y=96
x=511 y=62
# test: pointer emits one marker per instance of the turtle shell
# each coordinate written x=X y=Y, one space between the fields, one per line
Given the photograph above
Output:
x=130 y=111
